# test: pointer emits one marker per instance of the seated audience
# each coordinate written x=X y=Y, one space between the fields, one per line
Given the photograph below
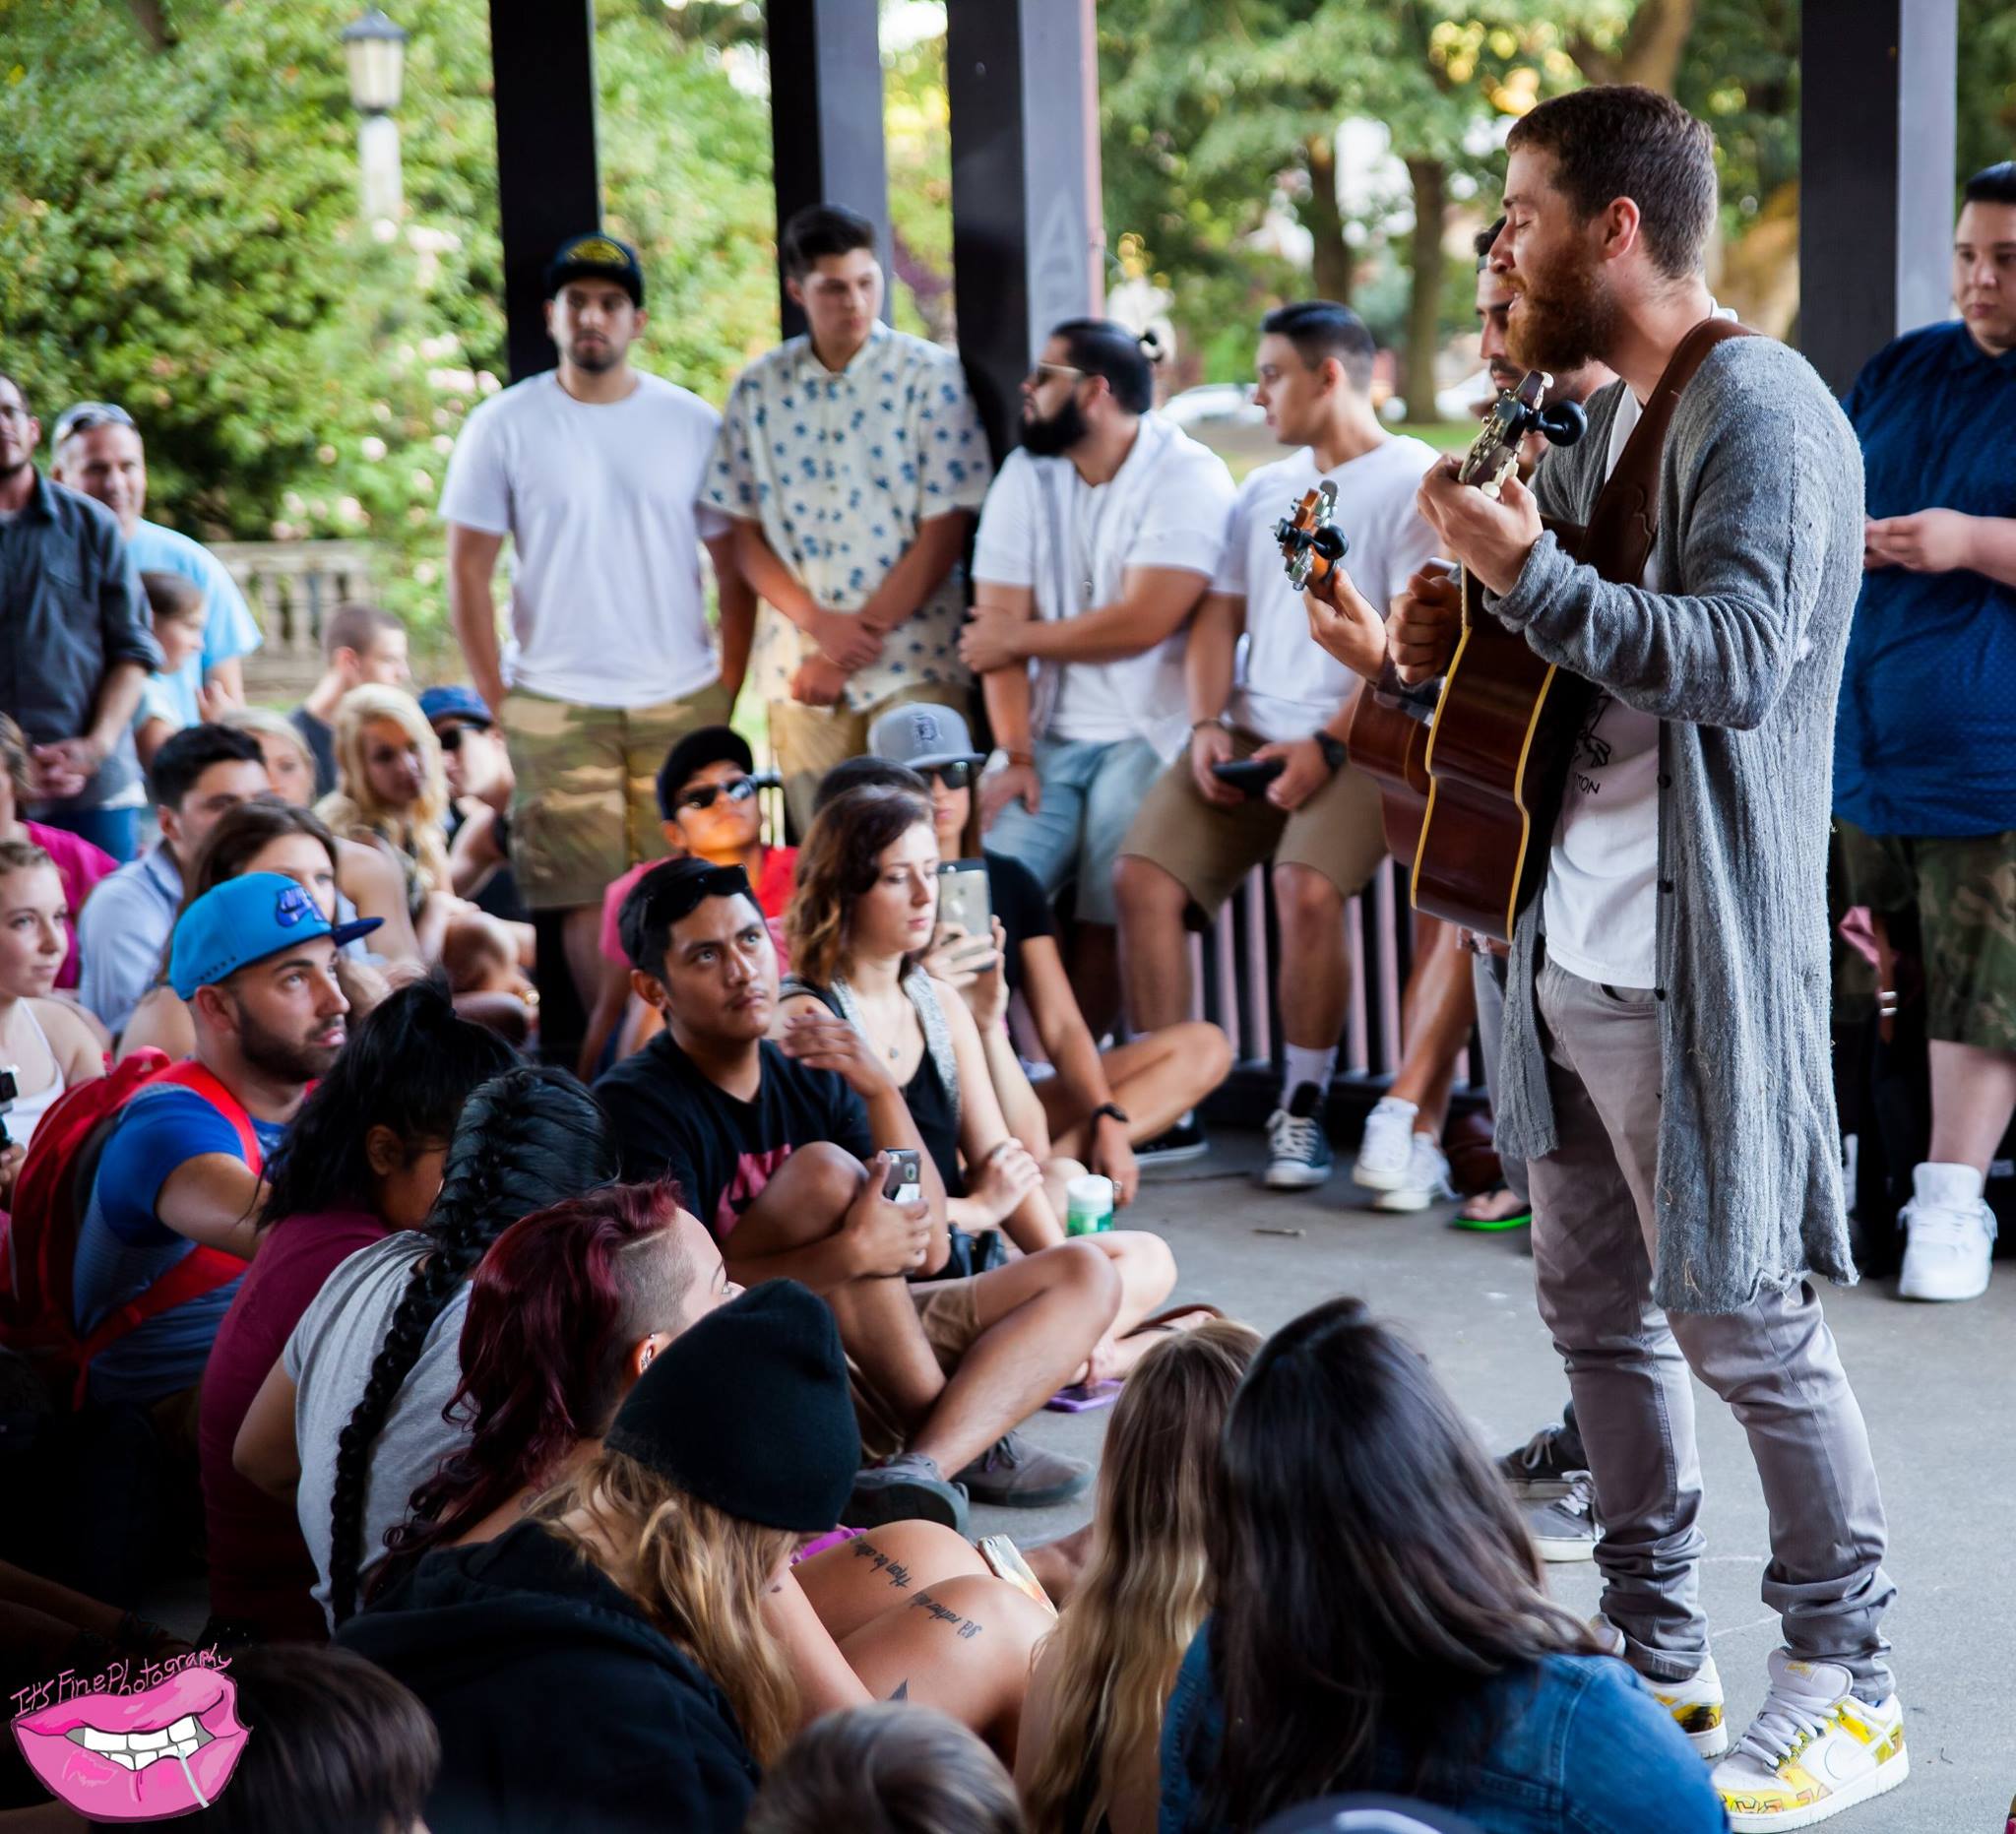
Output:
x=708 y=808
x=366 y=874
x=79 y=864
x=566 y=1311
x=866 y=907
x=894 y=1768
x=1114 y=1110
x=178 y=1174
x=631 y=1603
x=1091 y=1752
x=338 y=1747
x=349 y=1422
x=122 y=931
x=261 y=836
x=44 y=1041
x=480 y=783
x=768 y=1141
x=360 y=644
x=97 y=451
x=176 y=605
x=1378 y=1621
x=362 y=1161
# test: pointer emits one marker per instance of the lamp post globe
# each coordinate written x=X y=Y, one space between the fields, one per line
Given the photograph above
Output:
x=375 y=49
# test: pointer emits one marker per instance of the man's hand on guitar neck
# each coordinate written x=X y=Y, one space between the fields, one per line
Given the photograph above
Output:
x=1425 y=622
x=1491 y=539
x=1346 y=624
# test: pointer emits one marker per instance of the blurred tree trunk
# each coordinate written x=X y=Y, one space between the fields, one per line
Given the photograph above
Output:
x=1430 y=181
x=1652 y=48
x=152 y=19
x=1335 y=261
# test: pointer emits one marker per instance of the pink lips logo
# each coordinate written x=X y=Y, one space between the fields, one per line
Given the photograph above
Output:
x=164 y=1750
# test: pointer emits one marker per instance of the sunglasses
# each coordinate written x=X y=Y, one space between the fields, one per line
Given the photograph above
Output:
x=86 y=415
x=451 y=740
x=958 y=774
x=737 y=790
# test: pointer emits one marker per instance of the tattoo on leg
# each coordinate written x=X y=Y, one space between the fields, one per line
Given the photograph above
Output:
x=865 y=1549
x=902 y=1690
x=965 y=1628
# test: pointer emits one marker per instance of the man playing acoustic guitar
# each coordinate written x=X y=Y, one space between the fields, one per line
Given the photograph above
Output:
x=1665 y=1061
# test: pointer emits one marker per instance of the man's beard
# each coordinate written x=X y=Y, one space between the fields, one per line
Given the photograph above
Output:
x=1047 y=439
x=1565 y=321
x=293 y=1060
x=593 y=358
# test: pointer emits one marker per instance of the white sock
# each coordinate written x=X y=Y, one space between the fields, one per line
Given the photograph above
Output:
x=1308 y=1066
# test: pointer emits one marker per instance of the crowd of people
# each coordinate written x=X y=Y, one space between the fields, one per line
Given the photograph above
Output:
x=524 y=1233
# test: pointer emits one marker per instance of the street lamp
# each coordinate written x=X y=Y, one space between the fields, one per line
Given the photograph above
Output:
x=375 y=50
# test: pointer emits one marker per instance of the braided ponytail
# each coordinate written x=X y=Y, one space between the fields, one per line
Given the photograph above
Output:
x=527 y=1138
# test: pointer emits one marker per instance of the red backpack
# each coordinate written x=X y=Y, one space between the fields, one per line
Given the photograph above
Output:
x=38 y=1297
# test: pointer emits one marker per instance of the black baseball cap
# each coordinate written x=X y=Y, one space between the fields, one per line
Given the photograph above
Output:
x=689 y=756
x=596 y=257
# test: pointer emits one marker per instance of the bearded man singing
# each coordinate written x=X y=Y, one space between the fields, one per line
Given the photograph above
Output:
x=1666 y=1059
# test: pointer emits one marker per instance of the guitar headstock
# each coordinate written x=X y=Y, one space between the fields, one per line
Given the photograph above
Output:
x=1310 y=542
x=1494 y=455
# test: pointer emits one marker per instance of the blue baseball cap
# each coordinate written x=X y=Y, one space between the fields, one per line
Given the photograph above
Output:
x=244 y=920
x=456 y=702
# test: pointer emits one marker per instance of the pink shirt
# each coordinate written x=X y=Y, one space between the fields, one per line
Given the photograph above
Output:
x=79 y=866
x=773 y=890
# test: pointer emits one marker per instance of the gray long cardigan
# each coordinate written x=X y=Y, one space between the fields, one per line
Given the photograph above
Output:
x=1759 y=557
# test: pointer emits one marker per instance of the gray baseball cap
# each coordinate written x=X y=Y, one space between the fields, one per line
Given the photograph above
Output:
x=920 y=736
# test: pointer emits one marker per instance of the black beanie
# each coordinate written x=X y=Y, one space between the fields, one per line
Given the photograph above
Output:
x=749 y=1410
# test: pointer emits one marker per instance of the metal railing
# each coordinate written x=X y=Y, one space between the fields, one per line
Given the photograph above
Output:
x=291 y=586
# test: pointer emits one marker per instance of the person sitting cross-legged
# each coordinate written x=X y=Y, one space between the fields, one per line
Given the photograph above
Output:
x=767 y=1141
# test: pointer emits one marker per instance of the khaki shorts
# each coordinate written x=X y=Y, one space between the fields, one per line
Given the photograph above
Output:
x=950 y=1313
x=1207 y=849
x=586 y=807
x=810 y=740
x=1962 y=891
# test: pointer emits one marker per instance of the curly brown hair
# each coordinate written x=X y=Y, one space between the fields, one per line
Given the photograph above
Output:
x=837 y=863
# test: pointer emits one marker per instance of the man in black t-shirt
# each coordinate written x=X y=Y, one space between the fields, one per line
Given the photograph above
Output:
x=768 y=1143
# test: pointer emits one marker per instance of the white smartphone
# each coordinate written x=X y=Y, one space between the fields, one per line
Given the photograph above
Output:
x=963 y=897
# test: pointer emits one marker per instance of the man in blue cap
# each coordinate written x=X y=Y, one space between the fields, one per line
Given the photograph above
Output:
x=179 y=1173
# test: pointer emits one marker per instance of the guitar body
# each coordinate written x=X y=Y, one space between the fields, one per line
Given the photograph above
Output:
x=1497 y=759
x=1391 y=747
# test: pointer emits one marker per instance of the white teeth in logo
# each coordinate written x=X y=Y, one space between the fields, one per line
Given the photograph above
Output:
x=138 y=1749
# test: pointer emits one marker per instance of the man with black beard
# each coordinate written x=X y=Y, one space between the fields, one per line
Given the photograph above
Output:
x=1096 y=543
x=1665 y=1062
x=597 y=471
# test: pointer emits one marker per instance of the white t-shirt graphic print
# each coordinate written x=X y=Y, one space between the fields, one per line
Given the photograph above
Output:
x=1602 y=898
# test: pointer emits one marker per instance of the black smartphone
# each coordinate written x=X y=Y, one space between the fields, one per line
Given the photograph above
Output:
x=905 y=1183
x=1249 y=775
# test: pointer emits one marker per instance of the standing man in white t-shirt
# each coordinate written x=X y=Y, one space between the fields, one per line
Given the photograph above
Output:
x=1097 y=542
x=597 y=472
x=1319 y=821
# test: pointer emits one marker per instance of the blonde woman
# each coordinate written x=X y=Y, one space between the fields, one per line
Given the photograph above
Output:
x=1092 y=1724
x=366 y=875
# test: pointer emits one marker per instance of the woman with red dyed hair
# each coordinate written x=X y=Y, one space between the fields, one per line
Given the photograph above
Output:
x=566 y=1311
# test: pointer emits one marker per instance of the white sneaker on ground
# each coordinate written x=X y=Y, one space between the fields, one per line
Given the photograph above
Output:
x=1387 y=1147
x=1564 y=1527
x=1425 y=1180
x=1812 y=1750
x=1952 y=1233
x=1696 y=1703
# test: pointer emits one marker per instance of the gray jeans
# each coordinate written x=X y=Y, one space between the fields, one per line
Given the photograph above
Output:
x=1775 y=1362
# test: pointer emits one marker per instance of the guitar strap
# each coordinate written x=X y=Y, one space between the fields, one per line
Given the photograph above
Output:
x=1618 y=537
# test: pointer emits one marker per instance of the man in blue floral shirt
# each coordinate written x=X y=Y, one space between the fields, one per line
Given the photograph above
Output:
x=852 y=461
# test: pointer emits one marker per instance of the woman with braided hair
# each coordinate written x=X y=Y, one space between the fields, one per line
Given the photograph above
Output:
x=375 y=1361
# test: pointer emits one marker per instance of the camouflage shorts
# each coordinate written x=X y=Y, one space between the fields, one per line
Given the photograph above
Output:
x=586 y=807
x=1962 y=892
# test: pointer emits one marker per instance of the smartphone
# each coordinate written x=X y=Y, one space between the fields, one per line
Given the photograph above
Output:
x=1084 y=1397
x=963 y=899
x=905 y=1183
x=1249 y=775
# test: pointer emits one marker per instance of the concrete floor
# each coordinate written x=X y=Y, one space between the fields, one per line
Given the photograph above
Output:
x=1935 y=1381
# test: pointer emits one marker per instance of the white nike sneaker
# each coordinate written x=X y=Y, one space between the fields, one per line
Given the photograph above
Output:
x=1696 y=1703
x=1952 y=1233
x=1425 y=1180
x=1813 y=1750
x=1387 y=1148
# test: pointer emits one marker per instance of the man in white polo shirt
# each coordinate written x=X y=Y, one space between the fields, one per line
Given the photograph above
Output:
x=597 y=472
x=1097 y=542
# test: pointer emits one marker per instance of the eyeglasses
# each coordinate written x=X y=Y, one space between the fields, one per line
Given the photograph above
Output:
x=737 y=790
x=958 y=774
x=1042 y=372
x=89 y=414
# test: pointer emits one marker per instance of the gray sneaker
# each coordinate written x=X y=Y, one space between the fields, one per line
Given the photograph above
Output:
x=1011 y=1473
x=1566 y=1529
x=900 y=1488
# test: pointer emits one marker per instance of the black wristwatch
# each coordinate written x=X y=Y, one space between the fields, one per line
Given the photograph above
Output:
x=1114 y=1110
x=1332 y=748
